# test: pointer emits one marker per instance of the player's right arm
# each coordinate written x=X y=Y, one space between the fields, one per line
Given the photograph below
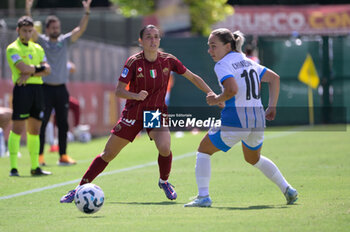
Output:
x=27 y=71
x=29 y=4
x=123 y=93
x=125 y=78
x=226 y=78
x=230 y=90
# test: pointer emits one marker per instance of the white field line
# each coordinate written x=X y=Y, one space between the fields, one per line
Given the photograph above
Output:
x=125 y=170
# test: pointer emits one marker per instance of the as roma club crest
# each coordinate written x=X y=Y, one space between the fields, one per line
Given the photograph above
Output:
x=117 y=128
x=165 y=71
x=153 y=73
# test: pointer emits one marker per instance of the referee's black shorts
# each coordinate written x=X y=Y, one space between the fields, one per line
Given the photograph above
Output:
x=28 y=101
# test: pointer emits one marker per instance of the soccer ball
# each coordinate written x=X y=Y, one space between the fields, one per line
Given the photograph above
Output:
x=82 y=133
x=84 y=137
x=89 y=198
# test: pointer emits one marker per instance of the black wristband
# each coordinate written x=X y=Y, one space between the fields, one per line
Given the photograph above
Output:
x=40 y=68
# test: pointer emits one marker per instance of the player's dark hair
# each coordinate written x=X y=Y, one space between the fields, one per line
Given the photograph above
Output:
x=51 y=19
x=249 y=49
x=147 y=27
x=25 y=21
x=236 y=39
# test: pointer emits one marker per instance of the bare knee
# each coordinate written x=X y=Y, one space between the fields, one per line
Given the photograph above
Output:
x=108 y=155
x=206 y=146
x=164 y=150
x=251 y=160
x=18 y=127
x=251 y=156
x=5 y=117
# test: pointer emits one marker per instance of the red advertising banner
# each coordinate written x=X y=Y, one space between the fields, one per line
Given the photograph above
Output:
x=285 y=20
x=99 y=107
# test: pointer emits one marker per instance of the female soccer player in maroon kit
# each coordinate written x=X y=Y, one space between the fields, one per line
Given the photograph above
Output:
x=147 y=74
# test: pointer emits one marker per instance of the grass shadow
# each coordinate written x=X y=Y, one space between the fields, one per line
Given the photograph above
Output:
x=88 y=216
x=28 y=176
x=253 y=207
x=145 y=203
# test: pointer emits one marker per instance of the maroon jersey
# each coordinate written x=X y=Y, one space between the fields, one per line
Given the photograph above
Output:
x=150 y=76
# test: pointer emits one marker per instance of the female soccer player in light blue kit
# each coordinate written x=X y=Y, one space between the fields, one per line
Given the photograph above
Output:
x=243 y=117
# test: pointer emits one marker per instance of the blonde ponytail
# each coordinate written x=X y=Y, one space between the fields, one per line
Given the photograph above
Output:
x=239 y=39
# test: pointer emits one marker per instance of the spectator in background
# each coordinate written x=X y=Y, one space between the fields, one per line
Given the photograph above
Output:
x=74 y=107
x=5 y=118
x=28 y=64
x=73 y=102
x=250 y=53
x=56 y=46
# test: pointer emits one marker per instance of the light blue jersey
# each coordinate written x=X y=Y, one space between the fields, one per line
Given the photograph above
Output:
x=245 y=109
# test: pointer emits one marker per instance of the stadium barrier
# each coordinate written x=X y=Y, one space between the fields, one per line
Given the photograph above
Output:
x=98 y=105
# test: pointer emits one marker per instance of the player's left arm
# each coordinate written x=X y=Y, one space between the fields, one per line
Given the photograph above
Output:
x=79 y=30
x=43 y=63
x=46 y=71
x=197 y=81
x=273 y=80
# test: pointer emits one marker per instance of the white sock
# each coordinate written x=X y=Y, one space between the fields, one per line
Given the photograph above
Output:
x=203 y=173
x=272 y=172
x=50 y=133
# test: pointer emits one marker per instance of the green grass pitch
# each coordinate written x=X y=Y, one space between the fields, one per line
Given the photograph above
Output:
x=316 y=163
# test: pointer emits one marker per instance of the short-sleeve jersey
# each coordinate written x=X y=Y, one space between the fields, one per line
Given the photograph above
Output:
x=31 y=54
x=245 y=109
x=150 y=76
x=57 y=57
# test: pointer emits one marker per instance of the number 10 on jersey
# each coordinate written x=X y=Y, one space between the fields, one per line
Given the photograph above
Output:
x=253 y=84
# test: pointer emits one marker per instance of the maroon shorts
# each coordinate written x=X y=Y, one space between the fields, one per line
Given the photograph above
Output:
x=128 y=128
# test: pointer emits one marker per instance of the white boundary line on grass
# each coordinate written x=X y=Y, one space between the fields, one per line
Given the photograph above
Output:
x=189 y=154
x=102 y=174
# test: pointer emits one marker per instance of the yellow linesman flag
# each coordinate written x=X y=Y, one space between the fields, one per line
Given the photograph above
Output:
x=308 y=73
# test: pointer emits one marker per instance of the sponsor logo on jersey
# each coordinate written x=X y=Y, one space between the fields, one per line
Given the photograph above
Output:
x=128 y=122
x=125 y=72
x=153 y=73
x=15 y=58
x=30 y=56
